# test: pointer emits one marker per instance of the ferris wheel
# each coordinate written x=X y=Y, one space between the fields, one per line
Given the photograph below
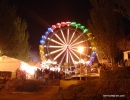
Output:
x=61 y=42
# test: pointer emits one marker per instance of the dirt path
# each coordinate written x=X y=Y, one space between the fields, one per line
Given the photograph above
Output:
x=44 y=94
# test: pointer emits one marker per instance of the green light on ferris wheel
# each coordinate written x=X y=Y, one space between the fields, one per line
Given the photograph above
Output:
x=73 y=24
x=78 y=25
x=82 y=27
x=85 y=30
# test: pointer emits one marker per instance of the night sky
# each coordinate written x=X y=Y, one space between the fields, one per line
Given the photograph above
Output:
x=41 y=14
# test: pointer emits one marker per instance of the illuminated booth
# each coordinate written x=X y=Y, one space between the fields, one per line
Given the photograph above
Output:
x=127 y=57
x=9 y=65
x=30 y=68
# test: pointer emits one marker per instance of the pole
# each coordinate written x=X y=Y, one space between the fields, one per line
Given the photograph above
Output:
x=80 y=49
x=80 y=66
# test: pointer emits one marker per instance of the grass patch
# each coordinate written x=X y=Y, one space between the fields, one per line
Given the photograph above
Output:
x=28 y=86
x=112 y=83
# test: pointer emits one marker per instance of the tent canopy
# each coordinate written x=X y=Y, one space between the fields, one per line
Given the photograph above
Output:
x=9 y=64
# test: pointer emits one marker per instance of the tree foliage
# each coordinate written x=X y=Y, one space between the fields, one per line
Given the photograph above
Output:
x=13 y=34
x=123 y=7
x=107 y=27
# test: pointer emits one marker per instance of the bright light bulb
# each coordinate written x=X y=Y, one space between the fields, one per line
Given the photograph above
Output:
x=80 y=49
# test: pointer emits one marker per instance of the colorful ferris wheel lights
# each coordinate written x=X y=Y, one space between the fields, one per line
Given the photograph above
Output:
x=41 y=52
x=50 y=30
x=63 y=24
x=94 y=52
x=42 y=42
x=73 y=24
x=53 y=27
x=85 y=30
x=43 y=37
x=92 y=58
x=82 y=27
x=68 y=23
x=41 y=47
x=58 y=25
x=78 y=25
x=94 y=48
x=46 y=33
x=89 y=34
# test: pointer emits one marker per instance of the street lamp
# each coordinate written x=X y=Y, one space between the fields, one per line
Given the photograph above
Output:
x=80 y=49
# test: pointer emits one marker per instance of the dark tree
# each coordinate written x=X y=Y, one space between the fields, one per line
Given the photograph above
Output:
x=107 y=27
x=13 y=33
x=123 y=7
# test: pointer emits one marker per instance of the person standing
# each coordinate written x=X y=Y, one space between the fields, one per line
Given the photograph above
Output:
x=46 y=77
x=7 y=77
x=17 y=72
x=61 y=74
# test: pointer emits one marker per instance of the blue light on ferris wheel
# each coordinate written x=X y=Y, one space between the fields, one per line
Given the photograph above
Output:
x=92 y=59
x=90 y=63
x=43 y=37
x=42 y=42
x=50 y=30
x=46 y=32
x=93 y=53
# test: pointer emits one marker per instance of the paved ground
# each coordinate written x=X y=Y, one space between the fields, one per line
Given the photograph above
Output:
x=44 y=94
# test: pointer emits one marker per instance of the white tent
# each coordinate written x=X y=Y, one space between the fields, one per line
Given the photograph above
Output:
x=9 y=64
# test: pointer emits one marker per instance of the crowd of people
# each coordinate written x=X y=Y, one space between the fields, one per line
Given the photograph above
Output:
x=52 y=74
x=21 y=74
x=5 y=77
x=48 y=74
